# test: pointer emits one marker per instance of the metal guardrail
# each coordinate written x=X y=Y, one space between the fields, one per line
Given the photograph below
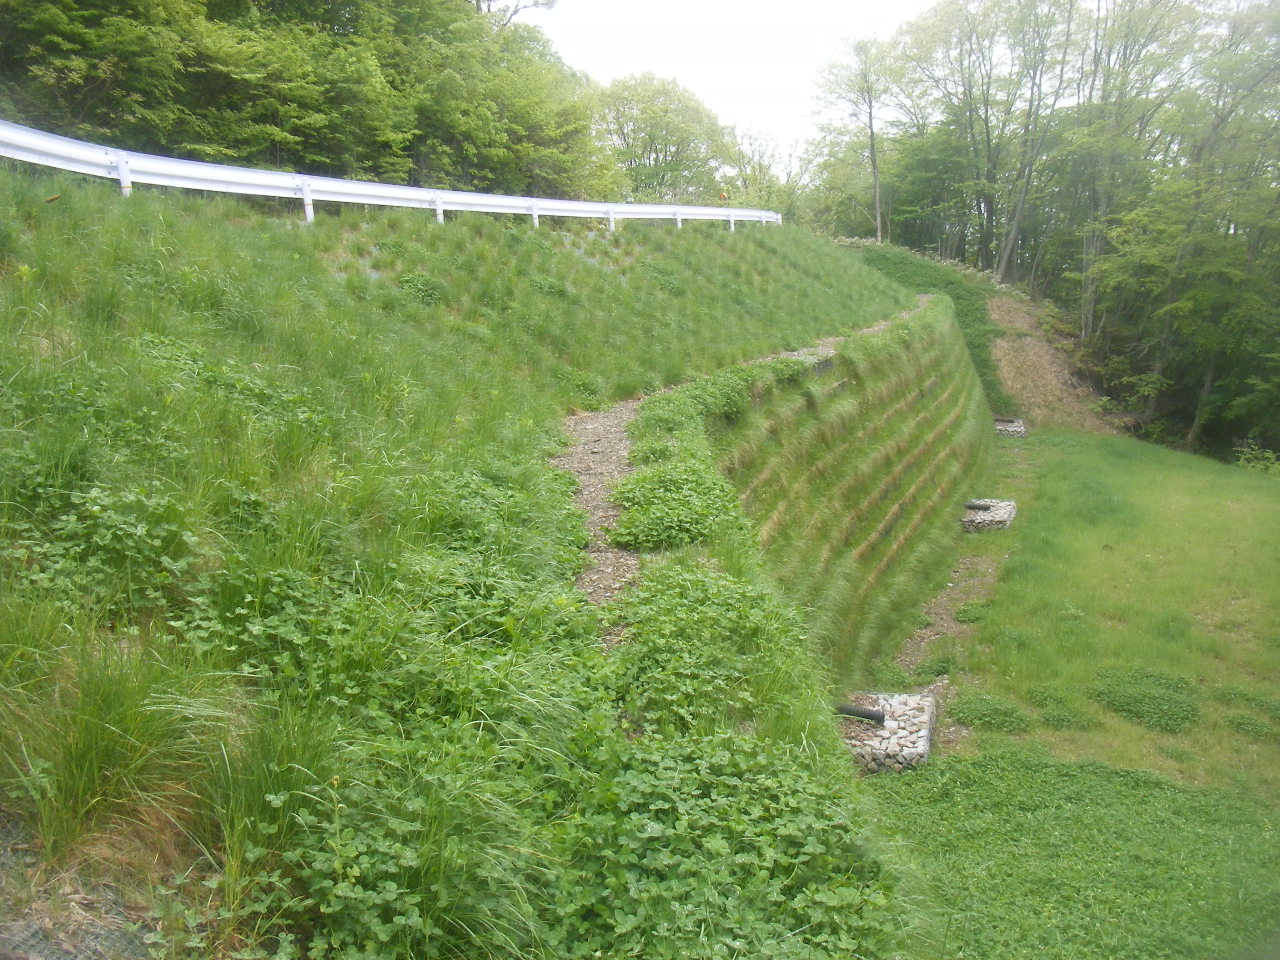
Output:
x=126 y=167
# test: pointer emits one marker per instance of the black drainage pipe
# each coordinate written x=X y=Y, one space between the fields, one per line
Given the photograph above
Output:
x=862 y=713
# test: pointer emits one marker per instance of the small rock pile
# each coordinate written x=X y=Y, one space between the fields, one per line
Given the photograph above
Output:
x=989 y=514
x=1007 y=427
x=903 y=741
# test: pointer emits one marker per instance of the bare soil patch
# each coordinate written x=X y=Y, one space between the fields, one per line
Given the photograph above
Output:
x=1038 y=374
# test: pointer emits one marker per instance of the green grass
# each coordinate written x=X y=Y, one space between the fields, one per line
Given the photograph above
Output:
x=1029 y=856
x=968 y=292
x=1118 y=797
x=286 y=578
x=853 y=489
x=1139 y=587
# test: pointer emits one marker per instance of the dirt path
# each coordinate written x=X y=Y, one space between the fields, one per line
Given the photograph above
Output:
x=597 y=458
x=1038 y=374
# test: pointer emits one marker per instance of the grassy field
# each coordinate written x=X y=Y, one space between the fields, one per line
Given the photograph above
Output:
x=1119 y=795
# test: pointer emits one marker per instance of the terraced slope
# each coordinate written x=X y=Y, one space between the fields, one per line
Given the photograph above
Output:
x=853 y=481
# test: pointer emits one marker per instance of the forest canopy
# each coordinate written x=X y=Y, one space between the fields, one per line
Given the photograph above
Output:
x=1122 y=159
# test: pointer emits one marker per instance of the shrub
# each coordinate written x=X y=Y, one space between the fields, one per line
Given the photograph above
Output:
x=1160 y=701
x=423 y=288
x=707 y=651
x=674 y=504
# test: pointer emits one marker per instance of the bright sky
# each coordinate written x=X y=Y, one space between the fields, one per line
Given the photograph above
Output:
x=754 y=63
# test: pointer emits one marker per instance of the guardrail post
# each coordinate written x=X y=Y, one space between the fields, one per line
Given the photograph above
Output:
x=533 y=210
x=122 y=174
x=679 y=222
x=439 y=209
x=731 y=223
x=611 y=224
x=308 y=209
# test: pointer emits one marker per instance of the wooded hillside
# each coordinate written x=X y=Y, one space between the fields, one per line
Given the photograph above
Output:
x=1121 y=160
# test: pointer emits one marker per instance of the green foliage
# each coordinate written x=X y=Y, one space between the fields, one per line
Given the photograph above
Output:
x=969 y=296
x=719 y=846
x=1161 y=701
x=423 y=288
x=669 y=145
x=974 y=612
x=1109 y=152
x=1253 y=457
x=706 y=651
x=985 y=711
x=680 y=498
x=118 y=551
x=418 y=92
x=673 y=504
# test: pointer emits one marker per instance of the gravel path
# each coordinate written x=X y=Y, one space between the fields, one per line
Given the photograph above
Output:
x=597 y=458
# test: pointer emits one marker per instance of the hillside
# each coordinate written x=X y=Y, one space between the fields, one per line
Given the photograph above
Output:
x=289 y=582
x=296 y=664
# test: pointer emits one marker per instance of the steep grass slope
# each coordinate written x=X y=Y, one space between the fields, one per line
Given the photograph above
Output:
x=855 y=481
x=286 y=615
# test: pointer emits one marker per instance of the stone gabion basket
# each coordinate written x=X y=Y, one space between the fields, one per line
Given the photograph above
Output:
x=988 y=514
x=1009 y=427
x=902 y=742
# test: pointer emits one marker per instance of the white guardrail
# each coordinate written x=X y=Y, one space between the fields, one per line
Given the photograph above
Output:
x=50 y=150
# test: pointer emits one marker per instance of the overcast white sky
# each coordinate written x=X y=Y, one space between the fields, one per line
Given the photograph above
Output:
x=755 y=63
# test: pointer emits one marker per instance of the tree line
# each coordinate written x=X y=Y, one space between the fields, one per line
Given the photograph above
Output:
x=1121 y=158
x=451 y=94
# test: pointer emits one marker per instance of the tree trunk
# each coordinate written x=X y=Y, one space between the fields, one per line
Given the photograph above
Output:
x=875 y=174
x=1192 y=438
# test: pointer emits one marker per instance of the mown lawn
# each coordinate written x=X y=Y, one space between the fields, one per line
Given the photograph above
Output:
x=1118 y=798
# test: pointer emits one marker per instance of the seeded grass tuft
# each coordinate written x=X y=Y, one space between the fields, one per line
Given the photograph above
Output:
x=1157 y=700
x=984 y=711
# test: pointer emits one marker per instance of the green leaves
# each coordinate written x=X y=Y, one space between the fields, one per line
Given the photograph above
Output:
x=716 y=847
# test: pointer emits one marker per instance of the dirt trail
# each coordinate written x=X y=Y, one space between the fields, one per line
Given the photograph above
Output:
x=1038 y=374
x=597 y=458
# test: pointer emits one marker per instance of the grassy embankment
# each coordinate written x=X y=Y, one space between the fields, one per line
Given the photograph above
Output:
x=286 y=612
x=855 y=483
x=1118 y=798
